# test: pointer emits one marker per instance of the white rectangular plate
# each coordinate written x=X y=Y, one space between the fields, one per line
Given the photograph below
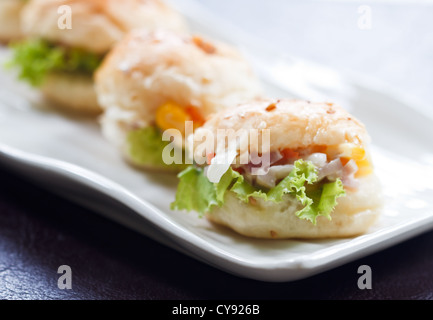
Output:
x=68 y=155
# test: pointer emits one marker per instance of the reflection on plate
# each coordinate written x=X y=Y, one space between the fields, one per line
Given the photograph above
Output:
x=68 y=155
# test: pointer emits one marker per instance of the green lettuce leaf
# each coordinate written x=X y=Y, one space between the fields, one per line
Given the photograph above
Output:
x=146 y=147
x=321 y=202
x=35 y=58
x=197 y=193
x=303 y=172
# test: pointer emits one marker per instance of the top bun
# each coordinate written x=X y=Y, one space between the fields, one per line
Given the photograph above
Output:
x=147 y=69
x=96 y=24
x=293 y=123
x=10 y=29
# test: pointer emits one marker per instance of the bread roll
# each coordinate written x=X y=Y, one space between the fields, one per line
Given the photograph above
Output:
x=322 y=135
x=147 y=70
x=71 y=92
x=293 y=123
x=95 y=26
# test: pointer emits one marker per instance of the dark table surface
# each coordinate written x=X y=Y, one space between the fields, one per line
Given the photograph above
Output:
x=40 y=231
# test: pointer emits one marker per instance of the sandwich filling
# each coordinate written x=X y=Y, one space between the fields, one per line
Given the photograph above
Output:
x=146 y=145
x=35 y=58
x=316 y=177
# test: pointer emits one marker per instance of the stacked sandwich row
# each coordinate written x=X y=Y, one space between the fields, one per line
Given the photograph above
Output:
x=173 y=101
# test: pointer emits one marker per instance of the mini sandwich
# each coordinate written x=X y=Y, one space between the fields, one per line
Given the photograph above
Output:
x=154 y=82
x=66 y=41
x=297 y=170
x=10 y=28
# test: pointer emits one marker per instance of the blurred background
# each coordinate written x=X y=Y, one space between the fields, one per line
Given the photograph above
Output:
x=390 y=41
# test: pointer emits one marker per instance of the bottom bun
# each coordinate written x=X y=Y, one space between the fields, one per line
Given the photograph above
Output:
x=151 y=168
x=353 y=215
x=71 y=92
